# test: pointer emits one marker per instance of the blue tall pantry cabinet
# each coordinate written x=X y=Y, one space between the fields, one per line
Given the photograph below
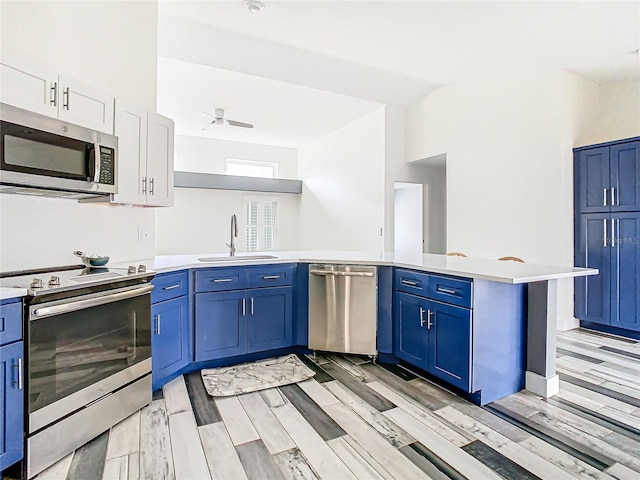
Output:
x=607 y=235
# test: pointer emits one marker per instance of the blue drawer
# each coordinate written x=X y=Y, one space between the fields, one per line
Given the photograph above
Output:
x=10 y=322
x=410 y=281
x=271 y=275
x=220 y=279
x=170 y=285
x=455 y=291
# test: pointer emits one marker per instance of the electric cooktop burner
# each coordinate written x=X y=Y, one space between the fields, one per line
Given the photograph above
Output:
x=52 y=280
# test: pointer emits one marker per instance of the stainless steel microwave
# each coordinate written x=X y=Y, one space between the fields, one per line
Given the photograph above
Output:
x=47 y=154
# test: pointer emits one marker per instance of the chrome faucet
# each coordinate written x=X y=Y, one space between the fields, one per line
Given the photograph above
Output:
x=234 y=233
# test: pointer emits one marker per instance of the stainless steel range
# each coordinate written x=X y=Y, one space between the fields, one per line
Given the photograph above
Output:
x=88 y=354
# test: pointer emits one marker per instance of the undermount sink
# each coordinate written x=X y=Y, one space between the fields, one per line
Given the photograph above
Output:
x=236 y=258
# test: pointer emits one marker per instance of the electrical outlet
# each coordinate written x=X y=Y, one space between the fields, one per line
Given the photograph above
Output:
x=143 y=235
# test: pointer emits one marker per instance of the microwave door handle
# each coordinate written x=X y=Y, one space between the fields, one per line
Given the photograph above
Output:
x=96 y=162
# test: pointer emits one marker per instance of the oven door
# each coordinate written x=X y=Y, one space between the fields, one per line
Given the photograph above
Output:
x=83 y=348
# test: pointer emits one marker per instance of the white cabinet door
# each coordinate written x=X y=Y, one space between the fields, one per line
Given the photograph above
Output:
x=30 y=87
x=85 y=106
x=159 y=160
x=130 y=126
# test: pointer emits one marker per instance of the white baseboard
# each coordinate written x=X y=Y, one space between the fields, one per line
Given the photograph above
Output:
x=567 y=323
x=545 y=387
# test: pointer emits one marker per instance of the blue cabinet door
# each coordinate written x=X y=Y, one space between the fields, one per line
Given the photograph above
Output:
x=220 y=325
x=170 y=338
x=269 y=318
x=593 y=250
x=593 y=180
x=411 y=329
x=450 y=344
x=12 y=401
x=625 y=285
x=625 y=176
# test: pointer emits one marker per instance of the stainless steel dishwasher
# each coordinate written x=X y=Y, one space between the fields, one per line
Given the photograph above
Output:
x=343 y=306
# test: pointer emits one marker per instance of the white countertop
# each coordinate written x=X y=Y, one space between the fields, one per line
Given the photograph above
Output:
x=476 y=268
x=7 y=293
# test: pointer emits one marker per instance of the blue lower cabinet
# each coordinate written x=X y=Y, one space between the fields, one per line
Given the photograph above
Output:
x=170 y=338
x=411 y=329
x=450 y=344
x=220 y=325
x=12 y=401
x=269 y=319
x=625 y=288
x=593 y=250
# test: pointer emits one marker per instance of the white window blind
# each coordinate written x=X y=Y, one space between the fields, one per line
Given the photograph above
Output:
x=262 y=224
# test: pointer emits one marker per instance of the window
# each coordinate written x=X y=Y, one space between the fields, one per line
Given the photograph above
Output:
x=261 y=223
x=251 y=168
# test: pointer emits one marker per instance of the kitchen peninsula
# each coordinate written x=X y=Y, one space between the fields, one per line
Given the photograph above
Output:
x=490 y=279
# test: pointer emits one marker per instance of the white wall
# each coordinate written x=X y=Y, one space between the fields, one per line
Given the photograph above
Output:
x=432 y=177
x=206 y=155
x=343 y=201
x=111 y=45
x=616 y=115
x=508 y=138
x=200 y=221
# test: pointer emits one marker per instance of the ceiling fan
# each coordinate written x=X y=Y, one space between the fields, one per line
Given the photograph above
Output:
x=218 y=119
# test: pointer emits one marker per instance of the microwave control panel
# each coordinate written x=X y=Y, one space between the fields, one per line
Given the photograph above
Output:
x=107 y=165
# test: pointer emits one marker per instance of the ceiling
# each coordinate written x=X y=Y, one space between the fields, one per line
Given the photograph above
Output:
x=283 y=114
x=300 y=69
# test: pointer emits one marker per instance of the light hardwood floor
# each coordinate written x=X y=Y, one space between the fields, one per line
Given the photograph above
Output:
x=359 y=420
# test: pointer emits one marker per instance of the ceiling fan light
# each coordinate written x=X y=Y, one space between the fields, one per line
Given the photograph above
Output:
x=254 y=6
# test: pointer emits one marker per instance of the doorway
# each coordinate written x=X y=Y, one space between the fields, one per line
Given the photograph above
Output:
x=408 y=215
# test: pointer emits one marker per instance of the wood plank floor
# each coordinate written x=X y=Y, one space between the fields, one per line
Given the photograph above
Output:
x=355 y=419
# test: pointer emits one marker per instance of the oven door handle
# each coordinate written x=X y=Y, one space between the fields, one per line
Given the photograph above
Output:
x=42 y=312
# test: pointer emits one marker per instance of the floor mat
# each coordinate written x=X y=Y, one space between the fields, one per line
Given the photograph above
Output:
x=251 y=377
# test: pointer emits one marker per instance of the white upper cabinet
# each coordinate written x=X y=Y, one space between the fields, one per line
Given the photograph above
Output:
x=159 y=160
x=43 y=91
x=84 y=105
x=29 y=87
x=145 y=157
x=130 y=127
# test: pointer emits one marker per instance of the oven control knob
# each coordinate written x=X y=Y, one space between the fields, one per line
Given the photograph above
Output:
x=131 y=270
x=37 y=283
x=142 y=269
x=54 y=281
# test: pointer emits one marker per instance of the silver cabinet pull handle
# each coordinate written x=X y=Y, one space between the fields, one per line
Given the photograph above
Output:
x=271 y=277
x=429 y=322
x=251 y=306
x=409 y=282
x=172 y=287
x=144 y=185
x=151 y=185
x=421 y=317
x=244 y=307
x=159 y=324
x=20 y=381
x=615 y=222
x=613 y=196
x=221 y=280
x=446 y=290
x=54 y=94
x=604 y=198
x=604 y=232
x=65 y=98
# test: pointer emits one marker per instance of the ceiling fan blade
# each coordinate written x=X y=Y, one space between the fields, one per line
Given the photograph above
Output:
x=207 y=113
x=208 y=125
x=233 y=123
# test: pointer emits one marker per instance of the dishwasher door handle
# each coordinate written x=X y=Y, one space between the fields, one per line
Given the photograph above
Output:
x=341 y=274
